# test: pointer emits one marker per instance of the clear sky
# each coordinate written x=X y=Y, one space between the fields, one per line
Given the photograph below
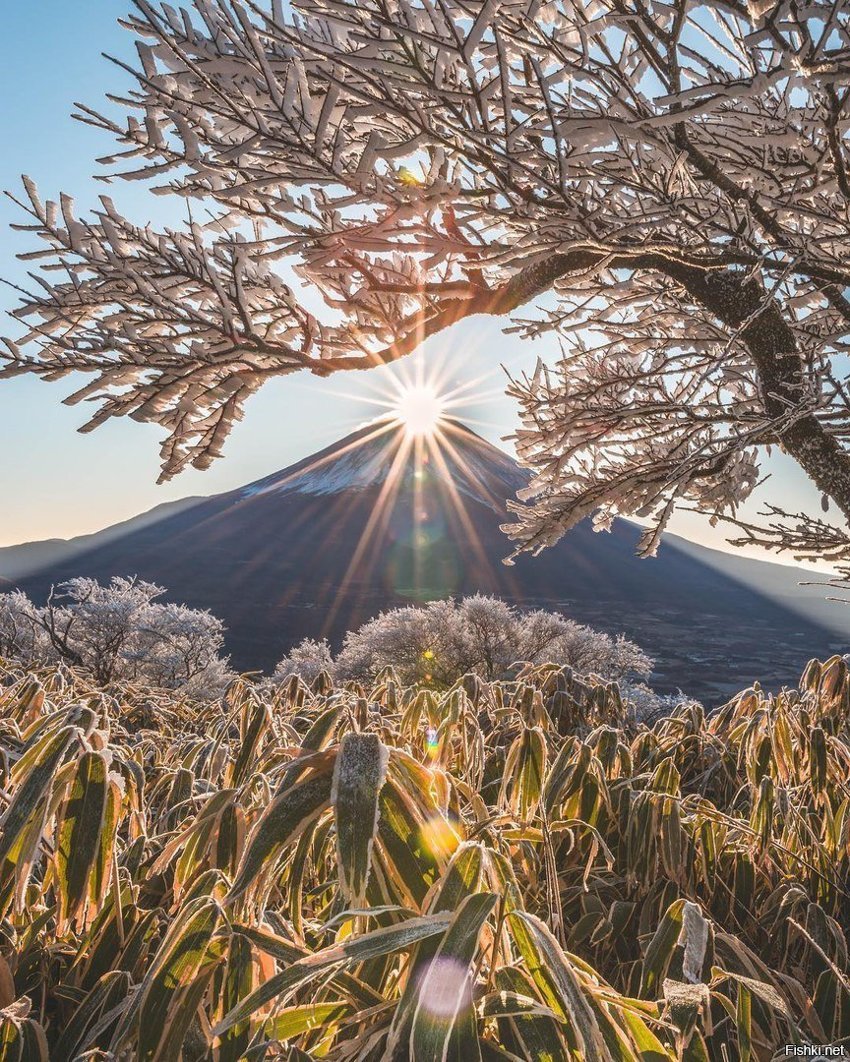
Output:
x=57 y=483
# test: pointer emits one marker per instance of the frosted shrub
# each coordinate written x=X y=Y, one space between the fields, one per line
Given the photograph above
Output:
x=437 y=643
x=22 y=638
x=308 y=659
x=644 y=705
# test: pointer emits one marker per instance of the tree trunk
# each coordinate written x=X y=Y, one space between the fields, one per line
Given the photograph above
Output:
x=743 y=305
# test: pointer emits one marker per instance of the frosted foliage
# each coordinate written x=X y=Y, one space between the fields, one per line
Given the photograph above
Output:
x=693 y=937
x=440 y=642
x=21 y=636
x=307 y=659
x=661 y=187
x=118 y=632
x=646 y=706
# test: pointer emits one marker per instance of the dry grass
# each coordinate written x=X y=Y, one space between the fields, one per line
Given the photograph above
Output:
x=503 y=871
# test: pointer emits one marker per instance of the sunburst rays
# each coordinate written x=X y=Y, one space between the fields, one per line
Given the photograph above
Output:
x=417 y=533
x=425 y=470
x=420 y=411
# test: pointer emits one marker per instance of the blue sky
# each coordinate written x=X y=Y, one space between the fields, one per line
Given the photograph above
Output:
x=57 y=483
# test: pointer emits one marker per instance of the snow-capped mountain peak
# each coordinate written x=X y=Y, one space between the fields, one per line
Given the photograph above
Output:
x=456 y=458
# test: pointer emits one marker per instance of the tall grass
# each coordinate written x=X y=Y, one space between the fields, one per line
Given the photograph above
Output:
x=503 y=871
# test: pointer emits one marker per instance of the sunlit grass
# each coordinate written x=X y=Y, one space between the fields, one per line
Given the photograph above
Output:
x=343 y=868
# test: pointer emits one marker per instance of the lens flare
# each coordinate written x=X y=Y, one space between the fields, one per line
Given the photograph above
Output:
x=438 y=837
x=418 y=532
x=444 y=990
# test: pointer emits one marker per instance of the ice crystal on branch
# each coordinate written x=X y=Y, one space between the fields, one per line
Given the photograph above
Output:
x=667 y=182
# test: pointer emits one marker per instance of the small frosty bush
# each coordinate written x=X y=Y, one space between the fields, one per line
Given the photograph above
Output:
x=644 y=705
x=307 y=659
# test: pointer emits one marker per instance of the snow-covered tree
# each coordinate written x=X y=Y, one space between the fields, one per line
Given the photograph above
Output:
x=550 y=636
x=117 y=632
x=175 y=644
x=437 y=643
x=22 y=636
x=426 y=644
x=662 y=185
x=97 y=627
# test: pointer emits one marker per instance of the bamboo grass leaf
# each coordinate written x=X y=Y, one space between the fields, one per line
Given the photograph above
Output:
x=37 y=771
x=359 y=774
x=556 y=979
x=292 y=1022
x=79 y=841
x=166 y=999
x=445 y=990
x=660 y=949
x=379 y=942
x=284 y=820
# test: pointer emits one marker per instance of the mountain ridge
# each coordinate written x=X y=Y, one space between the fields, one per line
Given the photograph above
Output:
x=24 y=557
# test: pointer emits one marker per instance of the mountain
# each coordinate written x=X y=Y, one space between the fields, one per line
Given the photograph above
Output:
x=378 y=520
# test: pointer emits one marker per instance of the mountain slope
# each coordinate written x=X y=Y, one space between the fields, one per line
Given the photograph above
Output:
x=21 y=560
x=376 y=521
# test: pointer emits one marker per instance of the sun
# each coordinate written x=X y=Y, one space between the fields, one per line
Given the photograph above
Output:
x=420 y=409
